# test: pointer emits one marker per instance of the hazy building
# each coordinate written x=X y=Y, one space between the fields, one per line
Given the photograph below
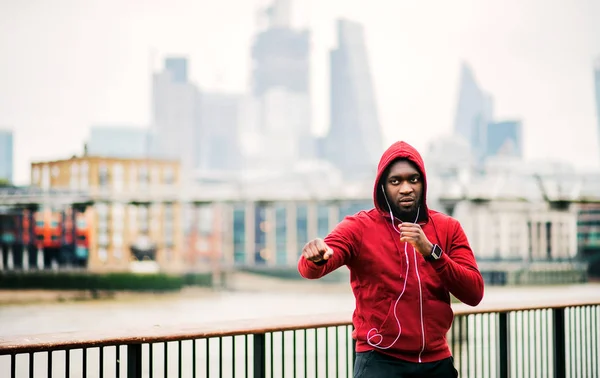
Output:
x=511 y=229
x=281 y=87
x=178 y=68
x=473 y=113
x=354 y=142
x=218 y=136
x=6 y=155
x=121 y=232
x=175 y=110
x=504 y=139
x=120 y=142
x=597 y=87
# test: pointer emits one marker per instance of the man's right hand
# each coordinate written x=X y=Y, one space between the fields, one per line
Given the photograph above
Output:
x=316 y=250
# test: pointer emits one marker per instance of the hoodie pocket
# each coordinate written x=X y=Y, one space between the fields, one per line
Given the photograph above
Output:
x=392 y=324
x=438 y=320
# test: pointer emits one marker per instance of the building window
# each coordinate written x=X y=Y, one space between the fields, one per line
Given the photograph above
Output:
x=188 y=218
x=46 y=177
x=301 y=227
x=239 y=235
x=102 y=254
x=169 y=175
x=102 y=211
x=155 y=217
x=117 y=239
x=132 y=217
x=280 y=235
x=529 y=240
x=118 y=178
x=322 y=220
x=155 y=176
x=133 y=178
x=260 y=234
x=84 y=176
x=549 y=240
x=143 y=177
x=118 y=217
x=103 y=176
x=143 y=220
x=205 y=220
x=36 y=175
x=103 y=239
x=168 y=228
x=74 y=179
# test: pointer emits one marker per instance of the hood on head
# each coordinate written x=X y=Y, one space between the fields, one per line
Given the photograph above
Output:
x=399 y=150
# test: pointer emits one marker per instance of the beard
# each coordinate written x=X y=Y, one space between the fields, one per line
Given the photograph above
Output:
x=406 y=213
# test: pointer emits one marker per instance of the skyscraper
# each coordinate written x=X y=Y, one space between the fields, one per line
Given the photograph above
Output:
x=6 y=155
x=280 y=86
x=175 y=114
x=474 y=112
x=354 y=142
x=281 y=54
x=597 y=87
x=178 y=68
x=218 y=137
x=504 y=139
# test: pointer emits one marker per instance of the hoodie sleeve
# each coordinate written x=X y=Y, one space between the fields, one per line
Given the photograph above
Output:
x=458 y=269
x=343 y=240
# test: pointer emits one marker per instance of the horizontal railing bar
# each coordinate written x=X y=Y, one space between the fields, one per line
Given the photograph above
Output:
x=157 y=334
x=530 y=305
x=94 y=339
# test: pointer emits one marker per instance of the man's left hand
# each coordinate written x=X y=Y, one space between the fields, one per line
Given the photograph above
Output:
x=414 y=235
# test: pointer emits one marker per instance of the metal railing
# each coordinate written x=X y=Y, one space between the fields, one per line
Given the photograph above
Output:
x=537 y=340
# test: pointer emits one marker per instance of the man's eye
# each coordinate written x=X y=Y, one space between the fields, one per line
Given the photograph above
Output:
x=414 y=180
x=394 y=182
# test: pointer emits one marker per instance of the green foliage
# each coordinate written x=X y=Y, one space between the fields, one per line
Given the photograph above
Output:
x=106 y=282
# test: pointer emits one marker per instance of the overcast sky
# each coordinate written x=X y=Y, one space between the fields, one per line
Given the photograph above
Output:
x=69 y=64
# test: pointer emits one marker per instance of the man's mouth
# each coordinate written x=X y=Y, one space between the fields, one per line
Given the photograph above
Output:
x=406 y=201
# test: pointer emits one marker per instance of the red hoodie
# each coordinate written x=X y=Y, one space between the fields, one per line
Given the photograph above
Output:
x=401 y=311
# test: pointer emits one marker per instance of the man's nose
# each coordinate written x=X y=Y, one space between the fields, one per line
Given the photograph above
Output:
x=405 y=188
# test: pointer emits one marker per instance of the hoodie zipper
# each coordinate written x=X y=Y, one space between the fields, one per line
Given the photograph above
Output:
x=420 y=306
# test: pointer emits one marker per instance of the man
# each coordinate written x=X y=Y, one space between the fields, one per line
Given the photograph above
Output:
x=405 y=260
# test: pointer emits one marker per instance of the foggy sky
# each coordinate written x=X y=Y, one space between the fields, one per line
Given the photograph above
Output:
x=69 y=64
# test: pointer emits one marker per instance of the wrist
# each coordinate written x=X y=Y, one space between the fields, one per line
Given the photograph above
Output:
x=426 y=252
x=435 y=254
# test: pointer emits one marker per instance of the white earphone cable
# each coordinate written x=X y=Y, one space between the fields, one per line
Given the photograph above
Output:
x=374 y=333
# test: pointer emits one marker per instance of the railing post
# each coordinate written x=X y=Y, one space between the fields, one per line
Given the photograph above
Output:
x=560 y=367
x=260 y=355
x=503 y=341
x=134 y=361
x=353 y=352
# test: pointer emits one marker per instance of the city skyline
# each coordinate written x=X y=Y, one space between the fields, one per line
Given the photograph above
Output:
x=102 y=75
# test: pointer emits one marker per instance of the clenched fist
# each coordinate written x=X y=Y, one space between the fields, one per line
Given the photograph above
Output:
x=413 y=234
x=316 y=250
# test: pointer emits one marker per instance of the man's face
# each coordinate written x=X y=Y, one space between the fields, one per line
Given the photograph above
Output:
x=404 y=188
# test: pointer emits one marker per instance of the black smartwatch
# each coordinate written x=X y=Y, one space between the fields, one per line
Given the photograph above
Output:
x=436 y=253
